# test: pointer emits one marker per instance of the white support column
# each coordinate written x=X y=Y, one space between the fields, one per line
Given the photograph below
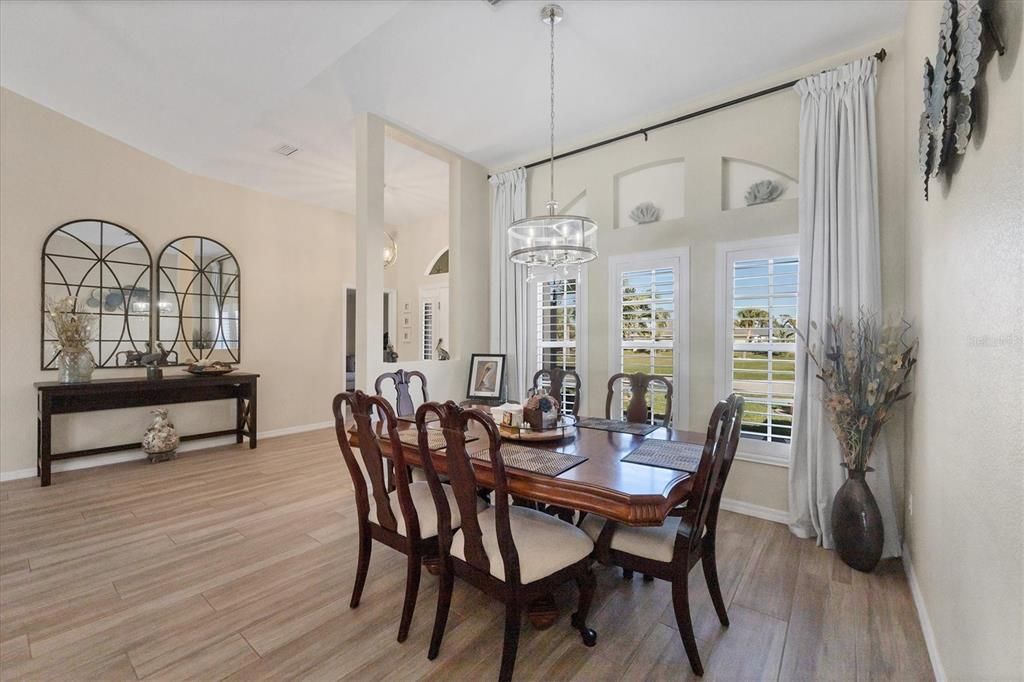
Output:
x=369 y=139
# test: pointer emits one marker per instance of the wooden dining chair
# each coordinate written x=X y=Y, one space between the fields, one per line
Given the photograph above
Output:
x=636 y=411
x=402 y=380
x=515 y=554
x=413 y=531
x=556 y=382
x=669 y=552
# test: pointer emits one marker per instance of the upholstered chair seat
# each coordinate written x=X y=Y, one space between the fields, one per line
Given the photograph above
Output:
x=655 y=543
x=545 y=544
x=426 y=511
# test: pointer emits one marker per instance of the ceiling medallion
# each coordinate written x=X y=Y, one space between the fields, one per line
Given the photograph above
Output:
x=552 y=240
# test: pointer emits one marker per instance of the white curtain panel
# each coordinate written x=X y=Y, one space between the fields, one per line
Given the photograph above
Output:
x=508 y=281
x=840 y=272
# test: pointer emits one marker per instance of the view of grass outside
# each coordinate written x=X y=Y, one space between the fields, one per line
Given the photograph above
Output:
x=764 y=344
x=648 y=331
x=556 y=333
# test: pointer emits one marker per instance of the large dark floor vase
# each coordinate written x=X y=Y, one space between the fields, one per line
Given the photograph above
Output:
x=857 y=523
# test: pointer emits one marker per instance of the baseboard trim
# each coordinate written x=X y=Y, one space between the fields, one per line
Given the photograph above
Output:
x=132 y=455
x=922 y=617
x=755 y=510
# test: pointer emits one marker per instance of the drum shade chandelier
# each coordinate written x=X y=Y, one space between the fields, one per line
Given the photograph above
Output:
x=553 y=240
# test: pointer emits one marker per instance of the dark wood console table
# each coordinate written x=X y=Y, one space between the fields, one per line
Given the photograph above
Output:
x=111 y=394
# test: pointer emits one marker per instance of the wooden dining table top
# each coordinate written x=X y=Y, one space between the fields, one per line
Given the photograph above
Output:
x=634 y=494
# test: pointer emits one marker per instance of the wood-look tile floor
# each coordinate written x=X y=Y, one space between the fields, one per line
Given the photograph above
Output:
x=238 y=564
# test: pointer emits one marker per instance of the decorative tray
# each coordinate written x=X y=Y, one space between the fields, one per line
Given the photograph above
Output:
x=209 y=371
x=565 y=428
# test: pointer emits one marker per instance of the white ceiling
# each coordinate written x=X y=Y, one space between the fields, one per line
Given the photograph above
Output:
x=214 y=86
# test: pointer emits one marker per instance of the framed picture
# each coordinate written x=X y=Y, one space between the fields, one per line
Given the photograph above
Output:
x=486 y=376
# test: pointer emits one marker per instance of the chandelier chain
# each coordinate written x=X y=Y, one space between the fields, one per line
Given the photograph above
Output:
x=551 y=20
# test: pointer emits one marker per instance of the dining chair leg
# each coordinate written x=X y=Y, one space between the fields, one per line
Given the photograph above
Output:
x=444 y=603
x=412 y=588
x=586 y=584
x=627 y=574
x=681 y=605
x=362 y=565
x=513 y=616
x=711 y=577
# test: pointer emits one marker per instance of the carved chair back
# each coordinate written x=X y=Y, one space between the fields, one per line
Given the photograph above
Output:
x=454 y=421
x=402 y=379
x=716 y=459
x=556 y=382
x=639 y=383
x=372 y=483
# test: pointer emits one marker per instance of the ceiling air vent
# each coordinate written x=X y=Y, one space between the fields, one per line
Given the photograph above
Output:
x=492 y=2
x=286 y=150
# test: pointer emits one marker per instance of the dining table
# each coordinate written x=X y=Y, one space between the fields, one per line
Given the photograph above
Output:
x=602 y=484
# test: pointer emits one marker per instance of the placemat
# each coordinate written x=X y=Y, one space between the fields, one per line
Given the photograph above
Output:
x=617 y=426
x=532 y=459
x=667 y=455
x=435 y=439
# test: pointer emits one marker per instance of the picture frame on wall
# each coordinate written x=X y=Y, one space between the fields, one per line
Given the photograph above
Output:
x=486 y=376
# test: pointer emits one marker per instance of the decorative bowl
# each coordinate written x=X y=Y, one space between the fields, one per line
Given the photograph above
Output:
x=215 y=369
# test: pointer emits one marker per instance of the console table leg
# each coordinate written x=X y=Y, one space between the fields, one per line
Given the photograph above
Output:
x=252 y=417
x=239 y=419
x=44 y=444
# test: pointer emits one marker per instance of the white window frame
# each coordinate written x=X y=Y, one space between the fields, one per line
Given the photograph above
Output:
x=679 y=260
x=726 y=254
x=549 y=275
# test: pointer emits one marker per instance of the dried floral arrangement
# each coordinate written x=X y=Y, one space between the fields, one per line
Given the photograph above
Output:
x=865 y=370
x=72 y=329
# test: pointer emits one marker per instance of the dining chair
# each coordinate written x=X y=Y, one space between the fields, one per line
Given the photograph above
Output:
x=413 y=531
x=515 y=554
x=556 y=382
x=670 y=551
x=402 y=380
x=639 y=382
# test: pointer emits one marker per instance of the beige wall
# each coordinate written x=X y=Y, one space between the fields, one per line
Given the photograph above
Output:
x=419 y=245
x=764 y=131
x=965 y=296
x=293 y=257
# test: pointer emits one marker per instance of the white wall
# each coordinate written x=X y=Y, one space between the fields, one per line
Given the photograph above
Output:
x=763 y=131
x=419 y=245
x=965 y=297
x=294 y=259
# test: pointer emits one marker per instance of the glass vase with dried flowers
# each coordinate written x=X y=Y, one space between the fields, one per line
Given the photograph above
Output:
x=73 y=331
x=864 y=368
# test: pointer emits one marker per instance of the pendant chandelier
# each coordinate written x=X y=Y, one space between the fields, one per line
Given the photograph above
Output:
x=553 y=240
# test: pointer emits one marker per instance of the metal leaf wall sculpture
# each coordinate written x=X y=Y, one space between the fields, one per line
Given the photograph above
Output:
x=949 y=108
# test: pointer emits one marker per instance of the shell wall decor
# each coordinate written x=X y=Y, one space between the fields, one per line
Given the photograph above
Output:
x=644 y=213
x=763 y=192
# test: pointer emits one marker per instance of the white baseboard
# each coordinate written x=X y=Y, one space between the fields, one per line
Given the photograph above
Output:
x=922 y=616
x=755 y=510
x=136 y=454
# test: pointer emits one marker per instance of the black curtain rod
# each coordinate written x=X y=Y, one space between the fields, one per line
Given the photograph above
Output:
x=880 y=56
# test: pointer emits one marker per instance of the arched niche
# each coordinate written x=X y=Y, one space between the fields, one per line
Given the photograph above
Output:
x=107 y=269
x=662 y=183
x=739 y=174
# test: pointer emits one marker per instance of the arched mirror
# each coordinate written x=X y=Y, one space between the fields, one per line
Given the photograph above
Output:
x=199 y=301
x=107 y=270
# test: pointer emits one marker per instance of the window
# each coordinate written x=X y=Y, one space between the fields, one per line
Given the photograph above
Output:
x=428 y=330
x=647 y=303
x=433 y=320
x=555 y=327
x=758 y=341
